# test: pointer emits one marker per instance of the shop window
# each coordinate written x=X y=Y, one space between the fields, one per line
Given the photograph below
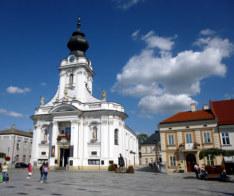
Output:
x=172 y=161
x=210 y=160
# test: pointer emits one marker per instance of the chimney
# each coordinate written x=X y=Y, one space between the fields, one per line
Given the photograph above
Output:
x=205 y=107
x=193 y=107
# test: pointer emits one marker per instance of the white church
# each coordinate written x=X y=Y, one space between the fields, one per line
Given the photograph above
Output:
x=76 y=130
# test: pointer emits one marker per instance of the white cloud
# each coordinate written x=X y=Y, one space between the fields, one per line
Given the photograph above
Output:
x=207 y=32
x=135 y=34
x=155 y=41
x=126 y=4
x=10 y=113
x=165 y=103
x=167 y=82
x=17 y=90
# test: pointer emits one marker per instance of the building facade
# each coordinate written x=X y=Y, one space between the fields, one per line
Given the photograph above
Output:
x=150 y=150
x=15 y=144
x=75 y=129
x=184 y=135
x=224 y=113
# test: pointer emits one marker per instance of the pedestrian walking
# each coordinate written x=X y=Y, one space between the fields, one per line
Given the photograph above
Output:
x=41 y=172
x=121 y=162
x=30 y=170
x=197 y=170
x=5 y=172
x=45 y=170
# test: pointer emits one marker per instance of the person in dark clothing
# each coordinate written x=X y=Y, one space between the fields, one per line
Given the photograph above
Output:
x=121 y=161
x=41 y=171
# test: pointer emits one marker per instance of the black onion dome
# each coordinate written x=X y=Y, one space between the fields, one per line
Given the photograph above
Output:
x=77 y=43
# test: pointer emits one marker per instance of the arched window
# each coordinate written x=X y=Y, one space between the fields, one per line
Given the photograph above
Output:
x=116 y=137
x=71 y=78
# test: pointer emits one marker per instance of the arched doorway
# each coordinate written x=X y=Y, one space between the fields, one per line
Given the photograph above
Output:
x=190 y=161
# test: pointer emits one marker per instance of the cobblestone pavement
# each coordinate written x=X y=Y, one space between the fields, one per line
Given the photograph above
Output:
x=106 y=183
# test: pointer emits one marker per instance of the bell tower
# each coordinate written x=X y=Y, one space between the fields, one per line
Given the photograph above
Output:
x=76 y=72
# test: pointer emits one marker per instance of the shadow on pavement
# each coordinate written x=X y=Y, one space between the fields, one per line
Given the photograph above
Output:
x=219 y=192
x=147 y=169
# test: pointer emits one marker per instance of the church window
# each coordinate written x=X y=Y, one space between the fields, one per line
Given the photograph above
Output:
x=94 y=153
x=116 y=137
x=94 y=161
x=17 y=146
x=71 y=78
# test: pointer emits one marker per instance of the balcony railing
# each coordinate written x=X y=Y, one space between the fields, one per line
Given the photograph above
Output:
x=189 y=146
x=63 y=139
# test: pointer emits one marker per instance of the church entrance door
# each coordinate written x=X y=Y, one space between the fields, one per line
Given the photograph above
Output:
x=64 y=155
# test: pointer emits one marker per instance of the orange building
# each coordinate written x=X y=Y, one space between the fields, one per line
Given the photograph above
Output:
x=184 y=135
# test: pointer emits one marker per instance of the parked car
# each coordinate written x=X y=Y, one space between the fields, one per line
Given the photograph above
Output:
x=21 y=165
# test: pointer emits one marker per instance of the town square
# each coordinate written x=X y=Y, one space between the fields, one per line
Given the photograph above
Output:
x=106 y=183
x=117 y=97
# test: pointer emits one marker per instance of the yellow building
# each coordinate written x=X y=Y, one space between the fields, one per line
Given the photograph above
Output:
x=184 y=135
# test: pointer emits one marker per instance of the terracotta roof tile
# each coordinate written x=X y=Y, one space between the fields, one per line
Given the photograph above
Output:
x=189 y=116
x=223 y=111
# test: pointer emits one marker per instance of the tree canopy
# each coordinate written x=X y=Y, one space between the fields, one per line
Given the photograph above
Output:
x=215 y=152
x=142 y=137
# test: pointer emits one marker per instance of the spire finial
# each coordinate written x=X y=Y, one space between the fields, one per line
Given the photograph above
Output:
x=78 y=23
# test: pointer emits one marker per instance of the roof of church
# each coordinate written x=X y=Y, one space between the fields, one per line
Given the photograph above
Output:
x=223 y=111
x=129 y=129
x=14 y=131
x=198 y=115
x=77 y=43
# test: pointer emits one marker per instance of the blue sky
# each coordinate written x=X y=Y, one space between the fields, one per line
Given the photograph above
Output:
x=153 y=56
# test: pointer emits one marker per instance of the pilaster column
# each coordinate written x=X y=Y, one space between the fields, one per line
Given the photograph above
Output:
x=54 y=147
x=74 y=137
x=35 y=144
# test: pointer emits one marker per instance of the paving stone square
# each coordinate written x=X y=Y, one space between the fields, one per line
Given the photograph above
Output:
x=84 y=183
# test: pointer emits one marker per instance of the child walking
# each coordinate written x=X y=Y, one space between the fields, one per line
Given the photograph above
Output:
x=29 y=171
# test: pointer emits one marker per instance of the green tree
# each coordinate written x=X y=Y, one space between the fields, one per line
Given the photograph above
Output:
x=142 y=137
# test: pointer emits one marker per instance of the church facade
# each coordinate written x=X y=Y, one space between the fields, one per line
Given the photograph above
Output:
x=76 y=130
